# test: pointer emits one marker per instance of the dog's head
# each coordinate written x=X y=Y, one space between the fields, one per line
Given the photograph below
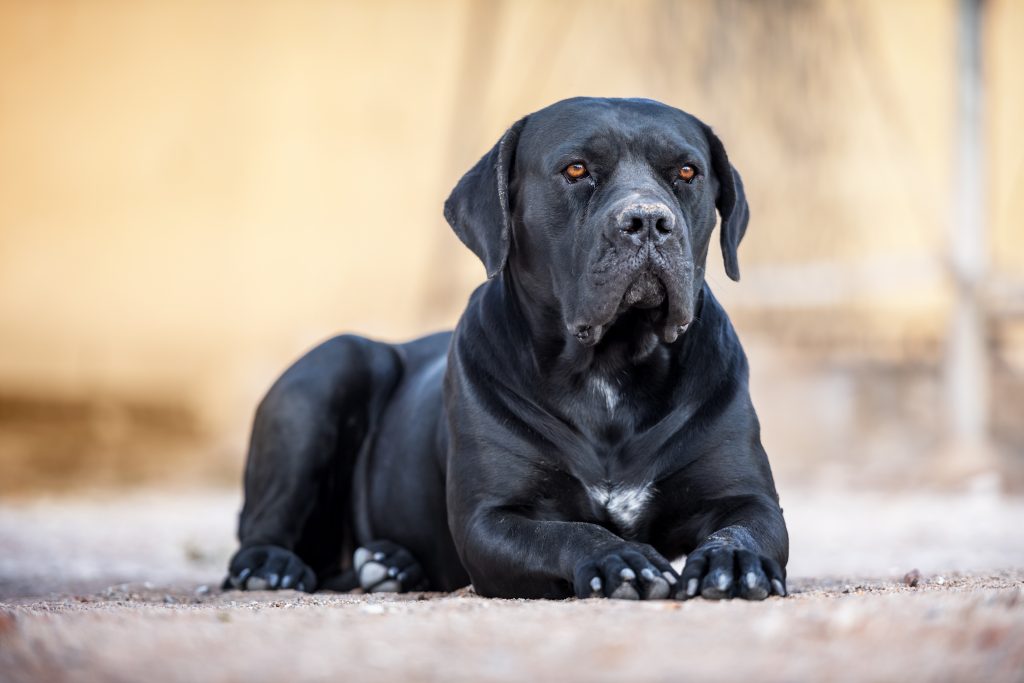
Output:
x=600 y=206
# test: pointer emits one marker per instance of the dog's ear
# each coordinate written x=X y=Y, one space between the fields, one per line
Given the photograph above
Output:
x=478 y=209
x=731 y=202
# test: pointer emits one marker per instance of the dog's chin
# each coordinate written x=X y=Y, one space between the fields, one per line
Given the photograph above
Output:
x=647 y=291
x=645 y=311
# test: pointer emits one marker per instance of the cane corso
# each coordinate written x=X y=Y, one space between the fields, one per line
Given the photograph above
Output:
x=587 y=421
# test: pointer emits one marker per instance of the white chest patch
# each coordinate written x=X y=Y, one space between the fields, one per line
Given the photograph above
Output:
x=605 y=390
x=624 y=504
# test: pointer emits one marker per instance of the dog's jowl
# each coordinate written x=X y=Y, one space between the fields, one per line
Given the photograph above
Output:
x=587 y=421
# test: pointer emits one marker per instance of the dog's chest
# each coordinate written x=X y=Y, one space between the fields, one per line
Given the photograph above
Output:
x=603 y=412
x=605 y=391
x=624 y=504
x=612 y=470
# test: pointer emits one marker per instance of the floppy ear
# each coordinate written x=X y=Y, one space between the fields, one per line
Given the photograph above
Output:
x=731 y=202
x=478 y=208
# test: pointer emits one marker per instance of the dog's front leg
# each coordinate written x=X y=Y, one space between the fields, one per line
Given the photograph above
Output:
x=509 y=555
x=743 y=554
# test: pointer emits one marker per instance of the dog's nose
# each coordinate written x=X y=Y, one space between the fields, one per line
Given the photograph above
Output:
x=653 y=222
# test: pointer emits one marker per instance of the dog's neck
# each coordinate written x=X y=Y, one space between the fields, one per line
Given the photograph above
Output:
x=631 y=343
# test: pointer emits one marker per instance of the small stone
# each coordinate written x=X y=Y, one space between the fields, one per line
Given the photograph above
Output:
x=912 y=578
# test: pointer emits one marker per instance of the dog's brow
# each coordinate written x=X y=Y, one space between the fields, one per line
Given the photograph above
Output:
x=599 y=145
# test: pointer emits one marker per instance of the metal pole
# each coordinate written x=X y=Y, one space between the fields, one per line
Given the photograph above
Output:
x=967 y=364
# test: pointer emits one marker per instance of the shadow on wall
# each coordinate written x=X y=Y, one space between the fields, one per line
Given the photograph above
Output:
x=63 y=445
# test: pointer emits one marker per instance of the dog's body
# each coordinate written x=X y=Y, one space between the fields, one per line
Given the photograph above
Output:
x=588 y=418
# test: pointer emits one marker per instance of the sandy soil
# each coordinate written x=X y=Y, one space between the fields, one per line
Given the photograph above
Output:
x=124 y=589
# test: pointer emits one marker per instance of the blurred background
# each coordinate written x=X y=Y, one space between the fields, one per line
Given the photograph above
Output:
x=194 y=193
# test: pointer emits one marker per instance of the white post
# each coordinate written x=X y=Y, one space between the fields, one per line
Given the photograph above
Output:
x=967 y=367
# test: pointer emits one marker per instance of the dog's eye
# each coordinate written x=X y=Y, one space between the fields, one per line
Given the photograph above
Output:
x=575 y=171
x=687 y=173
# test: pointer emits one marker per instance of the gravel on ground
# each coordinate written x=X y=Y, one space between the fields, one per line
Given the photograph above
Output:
x=885 y=587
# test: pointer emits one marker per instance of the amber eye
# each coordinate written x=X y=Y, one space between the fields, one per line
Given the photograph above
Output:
x=687 y=173
x=575 y=171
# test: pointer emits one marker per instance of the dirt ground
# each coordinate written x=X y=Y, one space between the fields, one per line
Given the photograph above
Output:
x=124 y=588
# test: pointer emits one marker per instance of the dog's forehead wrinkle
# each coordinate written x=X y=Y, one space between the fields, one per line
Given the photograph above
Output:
x=639 y=144
x=603 y=145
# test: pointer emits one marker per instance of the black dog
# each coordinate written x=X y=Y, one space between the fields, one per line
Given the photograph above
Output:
x=588 y=419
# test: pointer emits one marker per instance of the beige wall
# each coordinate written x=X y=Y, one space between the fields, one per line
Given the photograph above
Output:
x=1005 y=81
x=193 y=192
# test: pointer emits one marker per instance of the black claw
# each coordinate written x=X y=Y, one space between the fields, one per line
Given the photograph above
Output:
x=244 y=574
x=778 y=587
x=286 y=582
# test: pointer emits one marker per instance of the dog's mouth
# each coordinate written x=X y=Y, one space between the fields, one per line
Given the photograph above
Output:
x=649 y=303
x=647 y=291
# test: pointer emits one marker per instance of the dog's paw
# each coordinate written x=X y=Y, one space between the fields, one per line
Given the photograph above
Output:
x=386 y=567
x=269 y=567
x=719 y=572
x=631 y=572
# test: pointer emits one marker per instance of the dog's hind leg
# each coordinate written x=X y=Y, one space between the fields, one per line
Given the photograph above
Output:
x=386 y=567
x=295 y=527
